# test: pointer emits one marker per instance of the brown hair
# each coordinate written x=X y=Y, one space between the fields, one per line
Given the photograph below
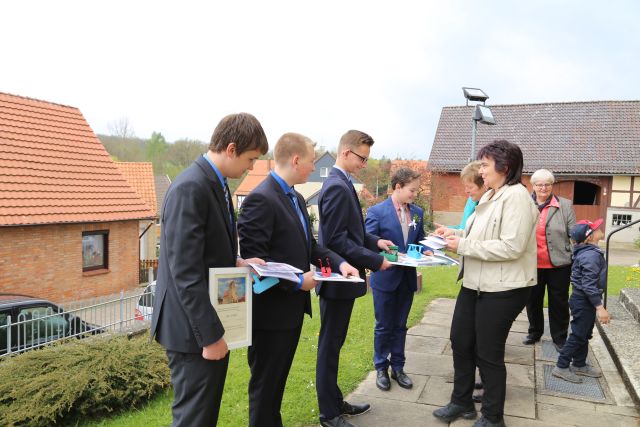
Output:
x=244 y=130
x=471 y=173
x=291 y=144
x=403 y=176
x=354 y=139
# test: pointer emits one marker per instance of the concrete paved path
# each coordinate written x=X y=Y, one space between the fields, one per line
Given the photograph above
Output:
x=529 y=403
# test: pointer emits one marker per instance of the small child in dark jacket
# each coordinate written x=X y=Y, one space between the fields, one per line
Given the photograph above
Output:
x=588 y=275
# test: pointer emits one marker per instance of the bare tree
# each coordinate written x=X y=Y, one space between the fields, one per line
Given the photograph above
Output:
x=121 y=128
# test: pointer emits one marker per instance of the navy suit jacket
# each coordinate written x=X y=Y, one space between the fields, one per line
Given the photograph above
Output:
x=196 y=235
x=269 y=228
x=342 y=231
x=383 y=220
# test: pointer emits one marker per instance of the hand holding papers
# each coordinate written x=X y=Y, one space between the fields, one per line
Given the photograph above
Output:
x=277 y=269
x=270 y=272
x=434 y=242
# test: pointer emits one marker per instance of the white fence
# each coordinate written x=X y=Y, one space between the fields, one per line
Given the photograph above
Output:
x=39 y=323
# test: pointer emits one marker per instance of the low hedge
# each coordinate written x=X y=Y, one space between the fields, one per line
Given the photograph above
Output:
x=79 y=379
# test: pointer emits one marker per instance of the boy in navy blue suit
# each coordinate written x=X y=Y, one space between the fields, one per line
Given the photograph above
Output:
x=396 y=219
x=588 y=274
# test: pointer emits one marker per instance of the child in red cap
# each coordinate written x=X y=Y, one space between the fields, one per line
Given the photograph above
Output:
x=588 y=275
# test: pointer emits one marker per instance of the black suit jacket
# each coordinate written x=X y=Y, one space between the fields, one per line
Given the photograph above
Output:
x=269 y=228
x=196 y=235
x=342 y=231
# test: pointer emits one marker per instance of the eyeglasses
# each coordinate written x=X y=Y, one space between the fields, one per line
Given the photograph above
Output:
x=543 y=185
x=362 y=159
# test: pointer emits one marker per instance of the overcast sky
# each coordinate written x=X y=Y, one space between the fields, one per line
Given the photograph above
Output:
x=318 y=68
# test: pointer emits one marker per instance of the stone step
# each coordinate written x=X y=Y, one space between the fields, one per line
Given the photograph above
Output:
x=622 y=338
x=630 y=299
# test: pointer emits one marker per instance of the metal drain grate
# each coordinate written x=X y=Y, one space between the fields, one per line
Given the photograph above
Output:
x=589 y=388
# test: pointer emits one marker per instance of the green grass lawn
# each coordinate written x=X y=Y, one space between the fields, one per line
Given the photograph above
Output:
x=299 y=406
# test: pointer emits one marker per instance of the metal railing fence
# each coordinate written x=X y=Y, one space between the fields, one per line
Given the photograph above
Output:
x=37 y=325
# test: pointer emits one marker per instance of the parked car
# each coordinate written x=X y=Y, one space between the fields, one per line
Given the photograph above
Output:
x=29 y=322
x=144 y=307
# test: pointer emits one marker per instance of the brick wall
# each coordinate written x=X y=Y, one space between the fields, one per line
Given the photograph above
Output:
x=46 y=261
x=448 y=197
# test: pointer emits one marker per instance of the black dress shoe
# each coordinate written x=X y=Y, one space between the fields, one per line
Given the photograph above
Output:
x=477 y=398
x=354 y=409
x=338 y=421
x=401 y=378
x=478 y=385
x=382 y=380
x=452 y=412
x=528 y=340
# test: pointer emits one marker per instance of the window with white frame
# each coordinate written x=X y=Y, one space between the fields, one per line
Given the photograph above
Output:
x=324 y=172
x=621 y=219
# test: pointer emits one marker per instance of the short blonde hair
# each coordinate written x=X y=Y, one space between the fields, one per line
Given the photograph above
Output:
x=291 y=144
x=471 y=173
x=542 y=175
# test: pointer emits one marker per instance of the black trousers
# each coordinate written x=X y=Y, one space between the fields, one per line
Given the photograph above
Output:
x=197 y=388
x=479 y=329
x=334 y=324
x=270 y=357
x=556 y=280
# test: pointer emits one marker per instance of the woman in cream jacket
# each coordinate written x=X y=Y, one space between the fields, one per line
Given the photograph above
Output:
x=498 y=270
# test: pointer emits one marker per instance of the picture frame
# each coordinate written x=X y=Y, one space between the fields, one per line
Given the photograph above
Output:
x=230 y=293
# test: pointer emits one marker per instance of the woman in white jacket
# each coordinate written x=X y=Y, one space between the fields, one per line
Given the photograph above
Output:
x=498 y=270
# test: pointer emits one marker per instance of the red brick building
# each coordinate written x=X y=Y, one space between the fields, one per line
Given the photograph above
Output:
x=592 y=148
x=68 y=218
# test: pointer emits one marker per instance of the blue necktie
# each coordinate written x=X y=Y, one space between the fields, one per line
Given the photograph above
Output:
x=296 y=206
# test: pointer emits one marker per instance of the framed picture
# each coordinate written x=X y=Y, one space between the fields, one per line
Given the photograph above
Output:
x=230 y=293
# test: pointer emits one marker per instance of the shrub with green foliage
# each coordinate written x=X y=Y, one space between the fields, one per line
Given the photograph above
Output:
x=80 y=378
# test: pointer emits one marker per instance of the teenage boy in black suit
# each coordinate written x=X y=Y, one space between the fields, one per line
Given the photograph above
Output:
x=342 y=230
x=274 y=225
x=198 y=233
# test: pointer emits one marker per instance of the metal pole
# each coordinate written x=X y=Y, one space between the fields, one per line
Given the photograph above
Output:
x=606 y=279
x=474 y=130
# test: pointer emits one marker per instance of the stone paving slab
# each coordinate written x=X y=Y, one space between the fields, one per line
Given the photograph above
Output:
x=430 y=365
x=429 y=330
x=387 y=412
x=368 y=387
x=582 y=418
x=431 y=345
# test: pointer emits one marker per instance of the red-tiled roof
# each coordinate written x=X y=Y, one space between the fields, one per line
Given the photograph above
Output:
x=140 y=177
x=53 y=169
x=601 y=137
x=261 y=169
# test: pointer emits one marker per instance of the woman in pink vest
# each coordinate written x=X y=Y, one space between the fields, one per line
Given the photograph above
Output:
x=554 y=261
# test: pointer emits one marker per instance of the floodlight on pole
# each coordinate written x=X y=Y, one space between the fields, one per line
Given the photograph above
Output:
x=481 y=113
x=474 y=94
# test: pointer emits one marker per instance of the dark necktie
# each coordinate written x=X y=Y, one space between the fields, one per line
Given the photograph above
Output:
x=296 y=206
x=227 y=198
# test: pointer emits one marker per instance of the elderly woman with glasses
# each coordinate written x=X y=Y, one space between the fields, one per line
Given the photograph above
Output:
x=554 y=261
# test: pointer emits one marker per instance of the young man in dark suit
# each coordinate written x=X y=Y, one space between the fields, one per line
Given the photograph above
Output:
x=342 y=231
x=274 y=226
x=198 y=233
